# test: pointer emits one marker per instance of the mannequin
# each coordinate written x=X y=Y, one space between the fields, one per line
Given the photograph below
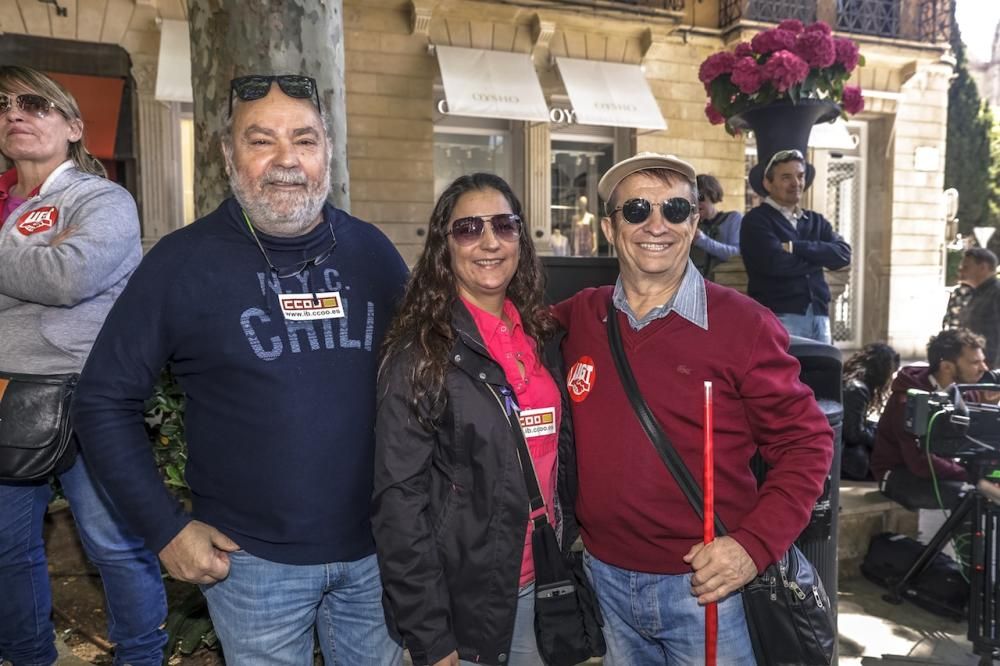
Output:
x=584 y=231
x=559 y=242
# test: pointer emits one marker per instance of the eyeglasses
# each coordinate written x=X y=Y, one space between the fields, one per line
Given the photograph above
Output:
x=296 y=268
x=256 y=86
x=637 y=211
x=36 y=105
x=784 y=156
x=468 y=230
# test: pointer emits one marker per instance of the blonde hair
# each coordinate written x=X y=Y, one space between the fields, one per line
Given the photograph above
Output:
x=13 y=77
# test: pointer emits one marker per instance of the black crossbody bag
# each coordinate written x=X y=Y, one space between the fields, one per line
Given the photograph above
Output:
x=567 y=618
x=36 y=436
x=788 y=612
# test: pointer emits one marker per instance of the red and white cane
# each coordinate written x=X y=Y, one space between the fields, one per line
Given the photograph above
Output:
x=711 y=610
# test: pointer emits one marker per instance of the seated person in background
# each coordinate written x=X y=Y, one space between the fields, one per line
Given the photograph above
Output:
x=867 y=376
x=905 y=472
x=718 y=236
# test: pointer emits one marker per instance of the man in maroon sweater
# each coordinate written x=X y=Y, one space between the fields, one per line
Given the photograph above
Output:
x=898 y=462
x=644 y=548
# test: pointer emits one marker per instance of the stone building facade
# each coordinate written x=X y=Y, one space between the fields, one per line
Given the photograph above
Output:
x=883 y=188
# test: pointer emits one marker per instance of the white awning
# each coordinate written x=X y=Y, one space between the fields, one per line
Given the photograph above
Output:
x=173 y=71
x=491 y=84
x=610 y=93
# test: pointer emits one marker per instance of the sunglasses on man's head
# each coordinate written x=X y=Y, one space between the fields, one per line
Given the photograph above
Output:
x=256 y=86
x=36 y=105
x=637 y=211
x=468 y=230
x=784 y=156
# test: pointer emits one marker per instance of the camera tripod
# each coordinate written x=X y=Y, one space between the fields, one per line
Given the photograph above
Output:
x=984 y=586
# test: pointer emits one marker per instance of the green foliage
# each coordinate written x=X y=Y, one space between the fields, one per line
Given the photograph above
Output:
x=165 y=425
x=971 y=163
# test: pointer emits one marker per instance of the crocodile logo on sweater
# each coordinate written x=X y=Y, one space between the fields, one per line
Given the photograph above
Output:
x=40 y=219
x=580 y=379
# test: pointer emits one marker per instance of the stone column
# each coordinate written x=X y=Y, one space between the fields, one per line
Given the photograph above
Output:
x=161 y=204
x=538 y=183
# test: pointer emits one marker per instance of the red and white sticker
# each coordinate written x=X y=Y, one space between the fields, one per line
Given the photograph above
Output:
x=538 y=422
x=38 y=220
x=580 y=379
x=300 y=307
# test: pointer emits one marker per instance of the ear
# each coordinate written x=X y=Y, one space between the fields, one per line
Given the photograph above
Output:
x=75 y=130
x=608 y=229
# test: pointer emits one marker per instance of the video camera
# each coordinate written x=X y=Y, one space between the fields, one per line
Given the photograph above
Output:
x=950 y=426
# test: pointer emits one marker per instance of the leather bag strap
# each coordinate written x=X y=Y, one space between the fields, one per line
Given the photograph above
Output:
x=668 y=454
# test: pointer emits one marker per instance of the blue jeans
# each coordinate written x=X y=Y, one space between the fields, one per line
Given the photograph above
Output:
x=523 y=646
x=809 y=325
x=654 y=619
x=264 y=613
x=136 y=603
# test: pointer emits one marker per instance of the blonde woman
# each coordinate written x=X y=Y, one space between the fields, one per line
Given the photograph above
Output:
x=69 y=240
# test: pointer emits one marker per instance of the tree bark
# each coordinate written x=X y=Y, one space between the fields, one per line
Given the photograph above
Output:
x=231 y=38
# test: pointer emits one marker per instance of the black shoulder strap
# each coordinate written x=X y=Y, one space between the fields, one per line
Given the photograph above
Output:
x=669 y=455
x=535 y=499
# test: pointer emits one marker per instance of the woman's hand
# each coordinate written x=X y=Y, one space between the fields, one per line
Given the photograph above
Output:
x=450 y=660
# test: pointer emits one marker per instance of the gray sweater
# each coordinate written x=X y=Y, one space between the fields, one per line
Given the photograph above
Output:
x=53 y=299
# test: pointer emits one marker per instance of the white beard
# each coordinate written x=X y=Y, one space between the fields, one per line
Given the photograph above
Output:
x=280 y=212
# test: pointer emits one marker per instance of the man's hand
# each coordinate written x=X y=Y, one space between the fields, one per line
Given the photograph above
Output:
x=450 y=660
x=720 y=568
x=198 y=554
x=990 y=490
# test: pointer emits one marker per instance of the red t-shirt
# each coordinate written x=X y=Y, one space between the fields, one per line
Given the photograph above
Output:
x=537 y=398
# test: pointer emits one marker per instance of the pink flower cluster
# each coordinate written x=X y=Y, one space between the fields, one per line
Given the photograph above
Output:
x=792 y=60
x=853 y=101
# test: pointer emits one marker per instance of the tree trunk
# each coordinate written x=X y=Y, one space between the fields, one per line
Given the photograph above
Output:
x=231 y=38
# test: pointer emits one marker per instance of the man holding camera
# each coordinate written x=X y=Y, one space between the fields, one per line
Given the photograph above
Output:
x=905 y=472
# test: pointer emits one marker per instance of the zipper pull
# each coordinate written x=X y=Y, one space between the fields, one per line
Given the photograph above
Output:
x=794 y=587
x=819 y=599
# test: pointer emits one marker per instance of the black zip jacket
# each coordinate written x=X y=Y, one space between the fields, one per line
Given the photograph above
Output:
x=982 y=316
x=450 y=508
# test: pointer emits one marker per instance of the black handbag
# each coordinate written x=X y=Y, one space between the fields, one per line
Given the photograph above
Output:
x=788 y=613
x=36 y=437
x=567 y=618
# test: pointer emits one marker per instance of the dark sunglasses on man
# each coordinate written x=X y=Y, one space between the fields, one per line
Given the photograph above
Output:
x=637 y=211
x=255 y=86
x=35 y=105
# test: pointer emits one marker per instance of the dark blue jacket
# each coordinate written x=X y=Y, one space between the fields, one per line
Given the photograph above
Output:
x=788 y=283
x=280 y=411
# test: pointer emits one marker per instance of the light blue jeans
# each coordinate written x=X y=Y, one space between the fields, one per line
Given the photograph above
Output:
x=523 y=646
x=136 y=602
x=809 y=325
x=654 y=619
x=264 y=613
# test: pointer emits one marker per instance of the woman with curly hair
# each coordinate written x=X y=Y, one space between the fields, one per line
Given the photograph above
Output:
x=471 y=354
x=867 y=377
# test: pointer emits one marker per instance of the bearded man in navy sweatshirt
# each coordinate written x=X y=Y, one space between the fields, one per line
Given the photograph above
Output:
x=269 y=311
x=785 y=249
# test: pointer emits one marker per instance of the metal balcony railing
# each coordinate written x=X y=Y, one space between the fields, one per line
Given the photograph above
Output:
x=921 y=20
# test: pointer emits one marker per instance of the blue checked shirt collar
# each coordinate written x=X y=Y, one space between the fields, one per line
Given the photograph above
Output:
x=690 y=302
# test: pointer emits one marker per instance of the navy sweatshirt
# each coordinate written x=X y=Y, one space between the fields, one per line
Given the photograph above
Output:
x=788 y=283
x=280 y=412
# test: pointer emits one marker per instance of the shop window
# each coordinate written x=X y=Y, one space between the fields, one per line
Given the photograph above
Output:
x=458 y=154
x=576 y=210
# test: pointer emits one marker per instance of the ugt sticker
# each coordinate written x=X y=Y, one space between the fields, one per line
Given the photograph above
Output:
x=299 y=307
x=40 y=219
x=580 y=379
x=538 y=422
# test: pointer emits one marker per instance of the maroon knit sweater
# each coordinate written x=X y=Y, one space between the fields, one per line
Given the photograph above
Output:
x=632 y=514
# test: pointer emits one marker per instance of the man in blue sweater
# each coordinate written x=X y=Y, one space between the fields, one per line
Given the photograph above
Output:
x=270 y=312
x=786 y=248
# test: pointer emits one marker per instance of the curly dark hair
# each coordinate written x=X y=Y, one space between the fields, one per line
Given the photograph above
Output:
x=424 y=318
x=948 y=345
x=873 y=366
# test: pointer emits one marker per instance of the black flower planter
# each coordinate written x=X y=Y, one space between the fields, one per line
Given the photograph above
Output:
x=783 y=125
